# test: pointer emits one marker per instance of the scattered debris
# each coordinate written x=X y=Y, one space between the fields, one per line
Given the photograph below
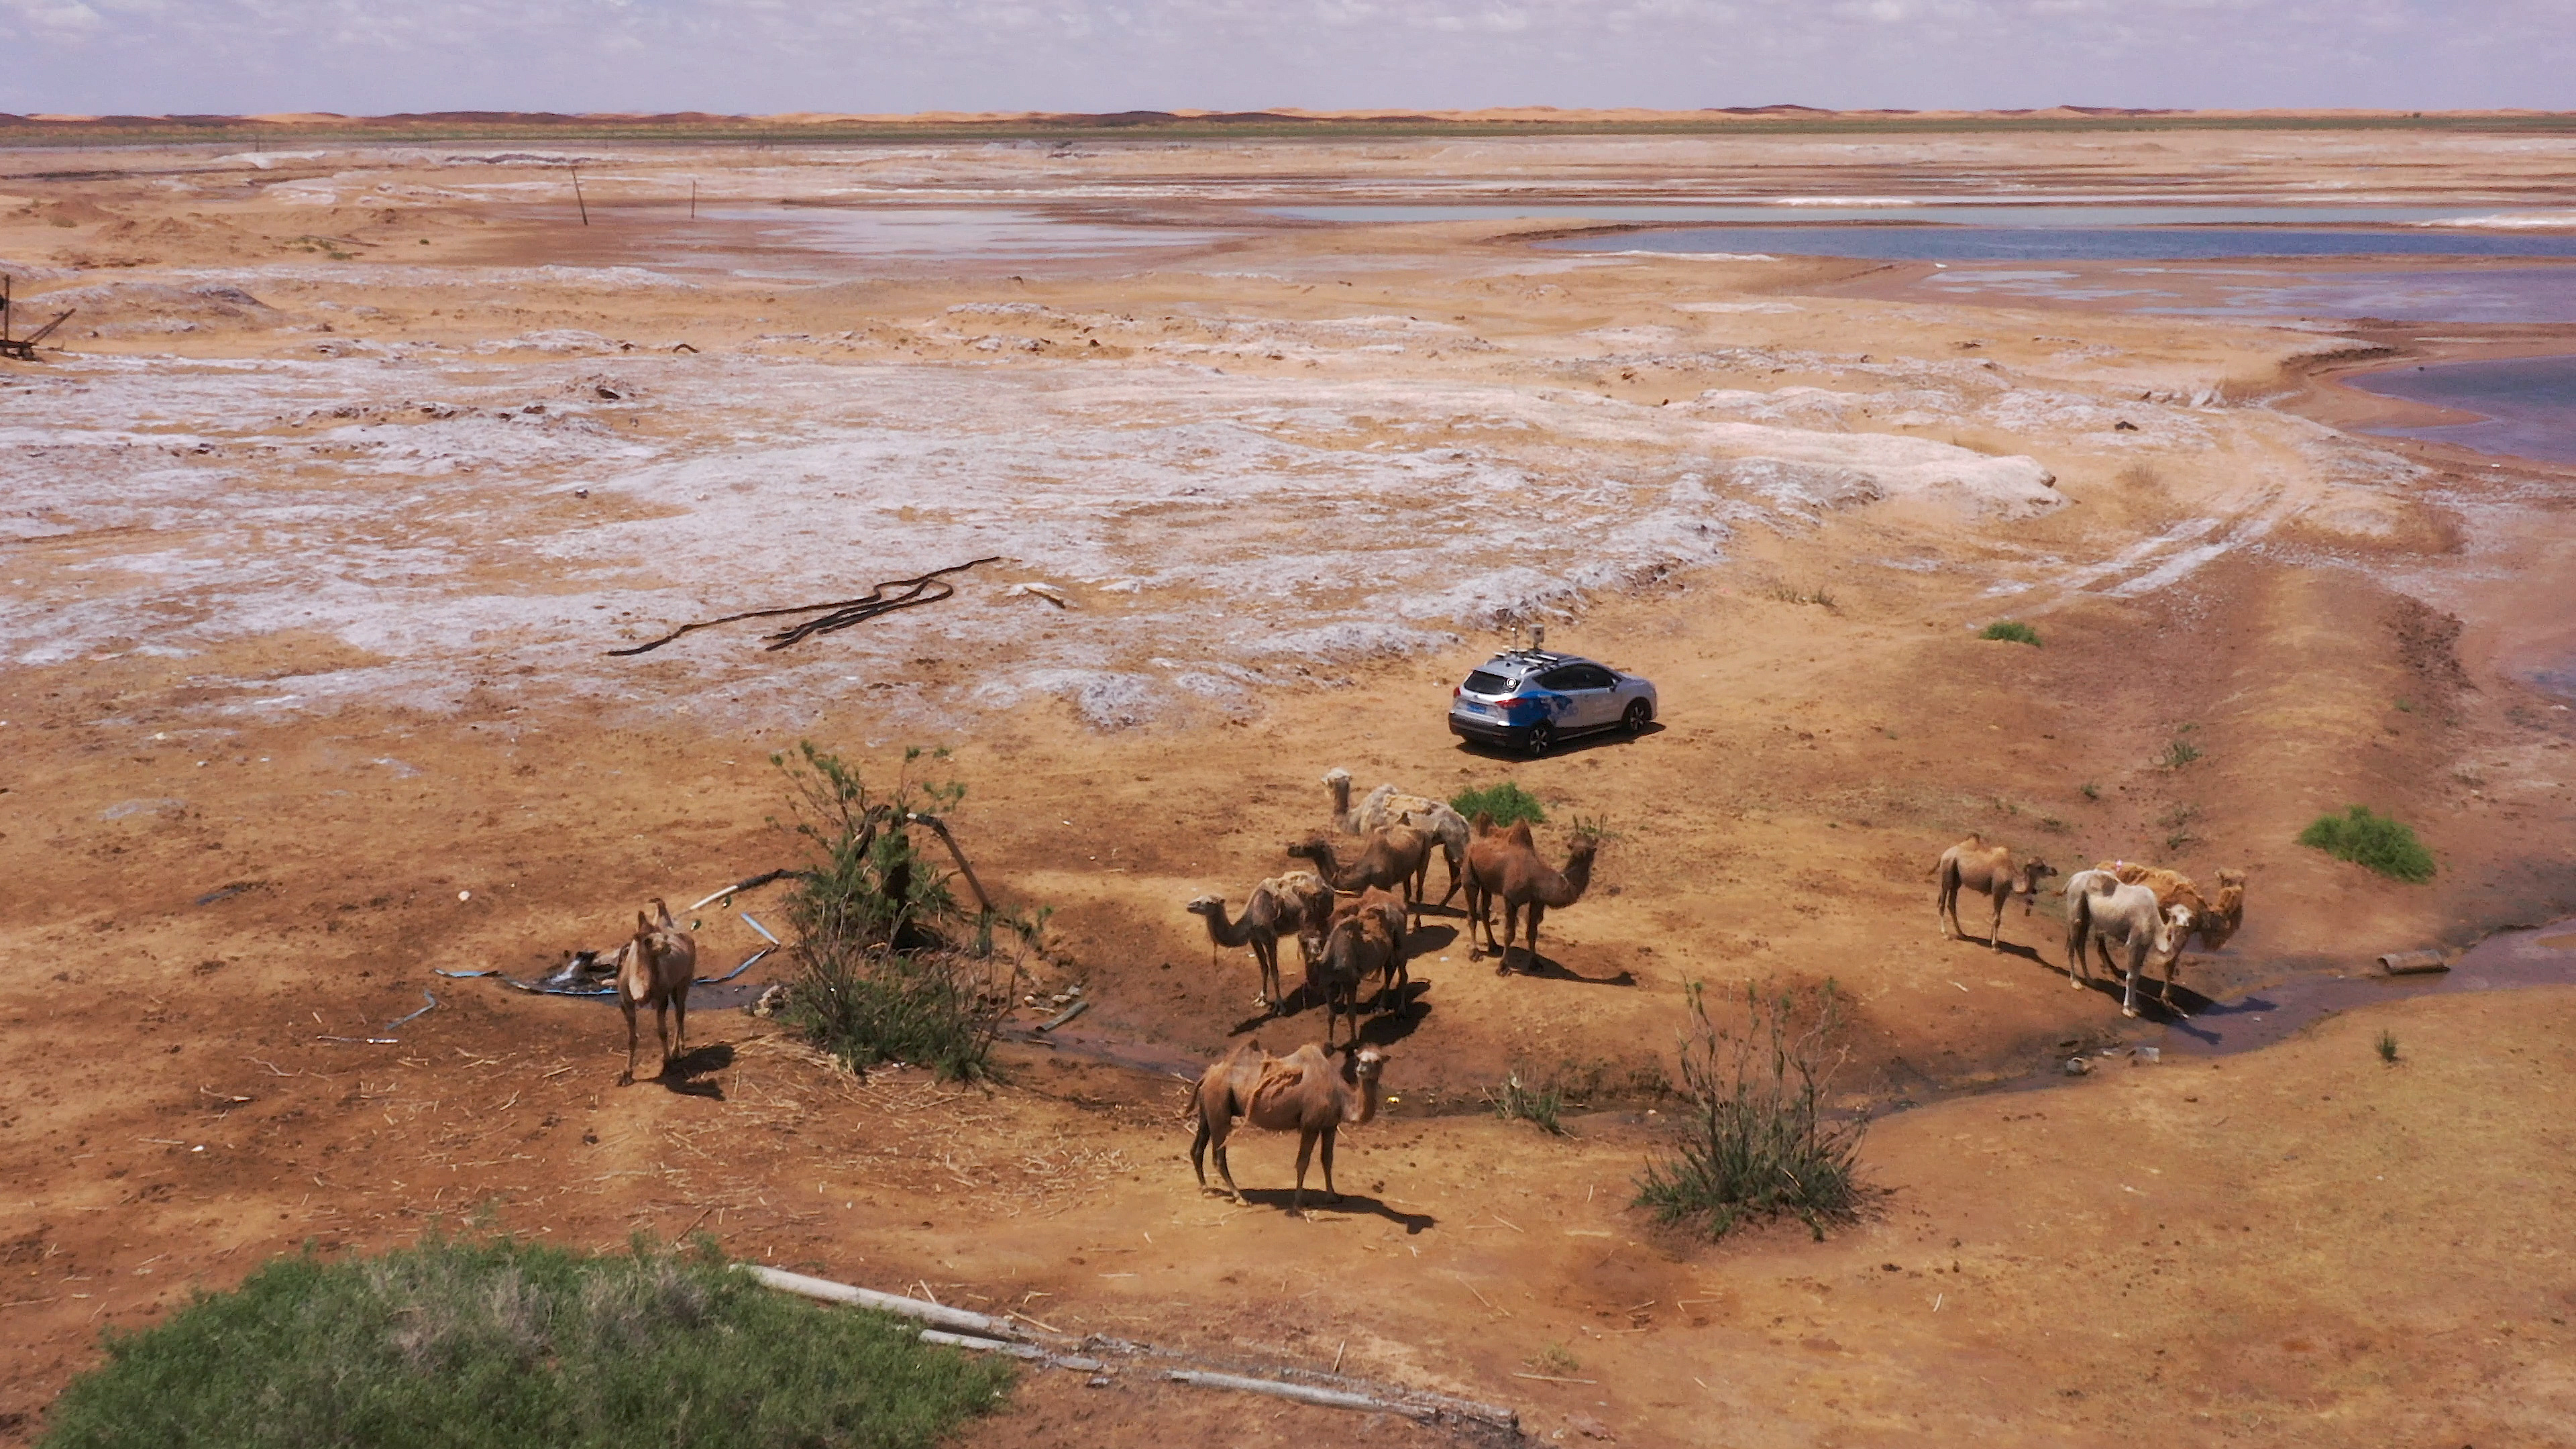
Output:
x=1061 y=1017
x=1048 y=592
x=962 y=1328
x=2414 y=963
x=771 y=1002
x=23 y=348
x=389 y=1026
x=2145 y=1056
x=885 y=598
x=2077 y=1066
x=747 y=883
x=225 y=893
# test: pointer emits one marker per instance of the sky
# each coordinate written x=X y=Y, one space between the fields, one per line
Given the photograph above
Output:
x=373 y=57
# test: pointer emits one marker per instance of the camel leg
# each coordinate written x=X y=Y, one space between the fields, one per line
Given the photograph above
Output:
x=1226 y=1173
x=1537 y=912
x=2137 y=964
x=1945 y=908
x=627 y=1005
x=1305 y=1153
x=1995 y=927
x=2075 y=949
x=662 y=1032
x=1268 y=964
x=1456 y=872
x=2171 y=962
x=1330 y=1193
x=680 y=1018
x=1198 y=1151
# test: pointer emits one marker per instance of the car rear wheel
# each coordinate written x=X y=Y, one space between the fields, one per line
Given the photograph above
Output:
x=1541 y=736
x=1640 y=714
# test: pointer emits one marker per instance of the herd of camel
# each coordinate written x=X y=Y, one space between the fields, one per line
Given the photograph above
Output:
x=1350 y=913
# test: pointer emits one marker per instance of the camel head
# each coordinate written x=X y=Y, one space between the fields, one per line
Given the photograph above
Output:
x=1315 y=848
x=2031 y=875
x=1364 y=1066
x=2173 y=929
x=1338 y=778
x=1205 y=905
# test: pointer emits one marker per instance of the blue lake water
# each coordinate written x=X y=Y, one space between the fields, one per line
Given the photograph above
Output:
x=2526 y=405
x=1996 y=214
x=1956 y=243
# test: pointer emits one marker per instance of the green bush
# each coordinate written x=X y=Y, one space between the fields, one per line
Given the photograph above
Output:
x=2011 y=631
x=2364 y=838
x=457 y=1344
x=881 y=977
x=1754 y=1135
x=1514 y=1102
x=1507 y=803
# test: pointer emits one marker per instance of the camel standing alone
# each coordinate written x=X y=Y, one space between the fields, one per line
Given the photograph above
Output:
x=1304 y=1093
x=1386 y=806
x=1506 y=863
x=1989 y=871
x=655 y=970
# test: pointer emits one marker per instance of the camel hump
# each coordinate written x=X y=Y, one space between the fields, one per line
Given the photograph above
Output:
x=1519 y=834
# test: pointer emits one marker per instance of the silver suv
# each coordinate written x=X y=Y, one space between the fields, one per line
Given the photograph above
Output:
x=1528 y=699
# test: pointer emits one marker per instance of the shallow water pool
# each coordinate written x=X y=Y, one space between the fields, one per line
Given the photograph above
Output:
x=2525 y=406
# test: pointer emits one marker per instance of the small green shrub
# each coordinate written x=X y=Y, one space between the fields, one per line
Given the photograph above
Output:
x=1507 y=803
x=2178 y=753
x=2368 y=839
x=1516 y=1103
x=881 y=976
x=2011 y=631
x=2090 y=791
x=457 y=1344
x=1791 y=594
x=1754 y=1135
x=2388 y=1046
x=1555 y=1359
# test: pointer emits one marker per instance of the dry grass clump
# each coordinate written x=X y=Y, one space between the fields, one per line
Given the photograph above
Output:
x=1755 y=1139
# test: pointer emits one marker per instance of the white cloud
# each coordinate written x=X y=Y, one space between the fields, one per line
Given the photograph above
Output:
x=893 y=55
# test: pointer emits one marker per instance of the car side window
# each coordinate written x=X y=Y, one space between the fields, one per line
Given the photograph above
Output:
x=1594 y=677
x=1568 y=676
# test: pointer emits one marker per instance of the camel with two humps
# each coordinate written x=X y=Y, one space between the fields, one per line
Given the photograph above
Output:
x=1306 y=1092
x=1386 y=806
x=1392 y=858
x=2212 y=920
x=1504 y=864
x=1296 y=904
x=1398 y=974
x=1991 y=871
x=2102 y=909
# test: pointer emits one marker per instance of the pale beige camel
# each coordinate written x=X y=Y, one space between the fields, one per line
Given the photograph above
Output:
x=655 y=970
x=1504 y=864
x=1258 y=927
x=1394 y=857
x=1305 y=1092
x=2103 y=909
x=1386 y=806
x=1990 y=871
x=1389 y=906
x=2212 y=921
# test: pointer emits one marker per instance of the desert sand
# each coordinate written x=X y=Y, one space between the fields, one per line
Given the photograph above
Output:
x=356 y=457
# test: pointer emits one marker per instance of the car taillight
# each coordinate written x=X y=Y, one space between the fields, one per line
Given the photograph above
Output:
x=1456 y=690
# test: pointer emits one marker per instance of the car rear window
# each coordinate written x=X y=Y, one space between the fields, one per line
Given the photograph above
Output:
x=1482 y=682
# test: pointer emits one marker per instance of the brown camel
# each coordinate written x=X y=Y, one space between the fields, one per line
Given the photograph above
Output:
x=1398 y=980
x=655 y=970
x=1306 y=909
x=1258 y=928
x=1394 y=858
x=2212 y=922
x=1359 y=945
x=1989 y=871
x=1505 y=863
x=1386 y=806
x=1304 y=1092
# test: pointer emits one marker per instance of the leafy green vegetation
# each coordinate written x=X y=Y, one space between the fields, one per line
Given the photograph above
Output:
x=461 y=1344
x=1507 y=803
x=2012 y=631
x=2178 y=753
x=2369 y=839
x=2388 y=1046
x=1754 y=1135
x=882 y=976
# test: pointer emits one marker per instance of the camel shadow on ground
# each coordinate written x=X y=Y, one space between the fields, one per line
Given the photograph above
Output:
x=2187 y=1003
x=1519 y=962
x=679 y=1075
x=1353 y=1203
